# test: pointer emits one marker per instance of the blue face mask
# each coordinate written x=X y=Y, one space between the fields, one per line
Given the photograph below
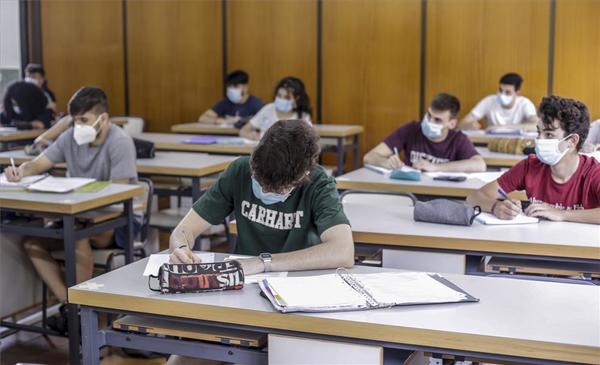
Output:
x=283 y=105
x=431 y=130
x=267 y=198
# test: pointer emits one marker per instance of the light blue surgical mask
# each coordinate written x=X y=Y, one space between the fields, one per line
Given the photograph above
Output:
x=234 y=95
x=283 y=105
x=267 y=198
x=16 y=109
x=431 y=130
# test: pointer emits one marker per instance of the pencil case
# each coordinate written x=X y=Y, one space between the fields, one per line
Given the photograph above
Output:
x=406 y=174
x=446 y=211
x=198 y=278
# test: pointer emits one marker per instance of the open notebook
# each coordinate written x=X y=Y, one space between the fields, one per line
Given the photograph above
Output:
x=53 y=184
x=492 y=220
x=343 y=291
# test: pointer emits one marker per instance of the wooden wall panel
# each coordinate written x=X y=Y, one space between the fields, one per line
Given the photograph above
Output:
x=175 y=60
x=472 y=43
x=271 y=39
x=371 y=65
x=577 y=51
x=82 y=44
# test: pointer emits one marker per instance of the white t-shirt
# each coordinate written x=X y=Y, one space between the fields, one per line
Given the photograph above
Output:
x=490 y=108
x=594 y=134
x=267 y=116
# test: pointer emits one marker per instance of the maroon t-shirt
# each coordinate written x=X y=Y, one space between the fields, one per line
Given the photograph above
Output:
x=410 y=139
x=582 y=191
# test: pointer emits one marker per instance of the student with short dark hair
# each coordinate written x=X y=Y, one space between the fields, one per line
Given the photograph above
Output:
x=290 y=102
x=431 y=144
x=93 y=148
x=289 y=215
x=505 y=109
x=561 y=184
x=238 y=106
x=25 y=106
x=35 y=74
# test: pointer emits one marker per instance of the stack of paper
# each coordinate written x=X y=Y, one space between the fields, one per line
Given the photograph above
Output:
x=378 y=169
x=59 y=184
x=490 y=219
x=25 y=182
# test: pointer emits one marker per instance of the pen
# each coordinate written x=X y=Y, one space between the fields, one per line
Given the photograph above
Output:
x=505 y=195
x=396 y=152
x=12 y=162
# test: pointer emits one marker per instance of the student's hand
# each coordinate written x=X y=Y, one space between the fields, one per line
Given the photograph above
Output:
x=393 y=162
x=252 y=265
x=228 y=120
x=425 y=165
x=37 y=125
x=545 y=211
x=183 y=255
x=13 y=174
x=507 y=209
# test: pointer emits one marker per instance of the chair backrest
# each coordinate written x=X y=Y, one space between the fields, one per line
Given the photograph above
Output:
x=148 y=196
x=366 y=197
x=132 y=125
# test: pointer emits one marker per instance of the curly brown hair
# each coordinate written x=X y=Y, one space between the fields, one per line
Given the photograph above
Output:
x=573 y=116
x=287 y=151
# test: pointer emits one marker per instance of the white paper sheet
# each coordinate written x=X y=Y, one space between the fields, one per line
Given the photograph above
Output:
x=53 y=184
x=378 y=169
x=157 y=260
x=254 y=279
x=492 y=220
x=26 y=181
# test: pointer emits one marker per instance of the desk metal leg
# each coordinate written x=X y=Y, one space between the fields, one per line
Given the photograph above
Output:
x=71 y=279
x=340 y=156
x=128 y=205
x=89 y=336
x=356 y=149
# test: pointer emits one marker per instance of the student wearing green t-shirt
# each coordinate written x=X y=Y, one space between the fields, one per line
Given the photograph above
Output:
x=284 y=204
x=287 y=209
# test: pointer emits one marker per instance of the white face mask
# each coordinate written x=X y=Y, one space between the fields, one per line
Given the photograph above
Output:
x=548 y=151
x=16 y=109
x=31 y=80
x=83 y=133
x=431 y=130
x=283 y=105
x=234 y=95
x=504 y=99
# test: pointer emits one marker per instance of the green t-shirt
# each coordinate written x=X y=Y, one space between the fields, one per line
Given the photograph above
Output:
x=291 y=225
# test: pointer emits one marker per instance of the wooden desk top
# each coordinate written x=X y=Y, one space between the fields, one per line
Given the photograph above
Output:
x=541 y=320
x=177 y=164
x=479 y=137
x=69 y=203
x=365 y=179
x=324 y=130
x=174 y=142
x=394 y=225
x=499 y=159
x=19 y=135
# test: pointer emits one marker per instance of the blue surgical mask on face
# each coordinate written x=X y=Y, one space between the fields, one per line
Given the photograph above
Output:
x=234 y=94
x=267 y=198
x=283 y=105
x=431 y=130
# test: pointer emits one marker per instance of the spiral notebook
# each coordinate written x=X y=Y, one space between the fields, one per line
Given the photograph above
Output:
x=343 y=291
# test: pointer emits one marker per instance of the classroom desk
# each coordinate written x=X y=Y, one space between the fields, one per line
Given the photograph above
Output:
x=555 y=241
x=497 y=159
x=515 y=320
x=67 y=207
x=344 y=137
x=481 y=138
x=172 y=164
x=10 y=135
x=365 y=179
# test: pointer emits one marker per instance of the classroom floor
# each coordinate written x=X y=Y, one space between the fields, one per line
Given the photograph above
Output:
x=35 y=349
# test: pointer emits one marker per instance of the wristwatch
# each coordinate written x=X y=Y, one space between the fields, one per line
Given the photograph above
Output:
x=266 y=258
